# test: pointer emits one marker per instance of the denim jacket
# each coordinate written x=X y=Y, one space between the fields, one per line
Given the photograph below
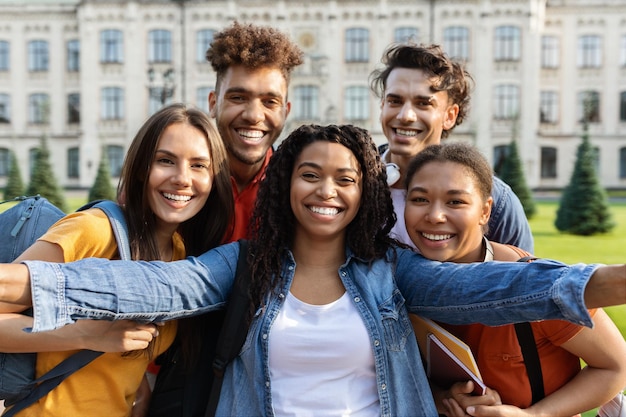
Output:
x=492 y=293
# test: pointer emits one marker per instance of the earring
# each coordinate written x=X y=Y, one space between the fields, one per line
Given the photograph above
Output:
x=393 y=173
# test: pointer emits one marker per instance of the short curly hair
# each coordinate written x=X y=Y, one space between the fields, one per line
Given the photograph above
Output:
x=451 y=76
x=368 y=233
x=253 y=47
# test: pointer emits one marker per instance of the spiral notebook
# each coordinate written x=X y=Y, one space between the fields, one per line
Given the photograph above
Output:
x=448 y=359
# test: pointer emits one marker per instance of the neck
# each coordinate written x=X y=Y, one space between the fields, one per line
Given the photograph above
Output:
x=402 y=162
x=319 y=253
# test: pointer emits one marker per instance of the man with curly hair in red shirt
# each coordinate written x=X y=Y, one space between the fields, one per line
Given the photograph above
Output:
x=249 y=104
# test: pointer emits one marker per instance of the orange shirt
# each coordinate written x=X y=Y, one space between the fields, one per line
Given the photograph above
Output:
x=244 y=202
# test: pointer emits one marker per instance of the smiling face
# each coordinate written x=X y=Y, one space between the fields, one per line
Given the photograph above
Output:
x=445 y=212
x=180 y=178
x=414 y=116
x=326 y=189
x=250 y=108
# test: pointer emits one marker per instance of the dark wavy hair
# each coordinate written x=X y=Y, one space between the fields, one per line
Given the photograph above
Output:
x=252 y=47
x=451 y=76
x=273 y=229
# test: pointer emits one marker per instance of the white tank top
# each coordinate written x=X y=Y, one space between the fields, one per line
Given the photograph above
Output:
x=321 y=361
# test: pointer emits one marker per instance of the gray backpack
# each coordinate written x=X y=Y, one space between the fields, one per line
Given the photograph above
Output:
x=20 y=227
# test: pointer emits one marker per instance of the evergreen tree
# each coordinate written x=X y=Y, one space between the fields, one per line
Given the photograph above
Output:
x=15 y=185
x=584 y=208
x=513 y=175
x=42 y=180
x=102 y=188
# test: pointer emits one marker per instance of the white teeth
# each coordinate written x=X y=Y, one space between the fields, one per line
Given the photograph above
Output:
x=327 y=211
x=436 y=237
x=176 y=197
x=406 y=132
x=252 y=134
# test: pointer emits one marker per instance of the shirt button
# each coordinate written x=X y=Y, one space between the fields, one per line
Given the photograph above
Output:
x=291 y=267
x=264 y=336
x=383 y=386
x=343 y=273
x=357 y=299
x=281 y=295
x=267 y=384
x=376 y=342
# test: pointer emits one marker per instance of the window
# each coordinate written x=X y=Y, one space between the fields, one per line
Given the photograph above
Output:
x=73 y=163
x=5 y=108
x=5 y=162
x=38 y=55
x=305 y=102
x=507 y=43
x=112 y=103
x=550 y=52
x=38 y=108
x=622 y=163
x=202 y=98
x=73 y=108
x=456 y=42
x=111 y=46
x=405 y=34
x=548 y=162
x=356 y=105
x=622 y=106
x=588 y=106
x=4 y=56
x=159 y=46
x=115 y=155
x=622 y=51
x=500 y=154
x=589 y=51
x=203 y=40
x=549 y=107
x=506 y=101
x=73 y=55
x=357 y=45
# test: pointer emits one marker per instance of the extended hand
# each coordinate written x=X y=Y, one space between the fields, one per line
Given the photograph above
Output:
x=112 y=336
x=459 y=397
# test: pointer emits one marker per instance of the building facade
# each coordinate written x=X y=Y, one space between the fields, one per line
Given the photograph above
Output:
x=86 y=74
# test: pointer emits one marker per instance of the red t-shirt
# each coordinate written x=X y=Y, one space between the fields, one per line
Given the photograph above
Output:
x=244 y=202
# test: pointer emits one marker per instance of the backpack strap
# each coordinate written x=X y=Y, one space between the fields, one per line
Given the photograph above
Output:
x=51 y=379
x=234 y=329
x=526 y=340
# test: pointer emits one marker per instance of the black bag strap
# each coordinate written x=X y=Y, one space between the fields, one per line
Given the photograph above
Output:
x=53 y=378
x=526 y=340
x=234 y=329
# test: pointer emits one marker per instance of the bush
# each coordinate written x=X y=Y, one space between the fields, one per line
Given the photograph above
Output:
x=513 y=175
x=42 y=180
x=102 y=188
x=15 y=185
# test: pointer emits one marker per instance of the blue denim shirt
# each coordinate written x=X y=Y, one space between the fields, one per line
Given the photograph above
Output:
x=507 y=223
x=492 y=293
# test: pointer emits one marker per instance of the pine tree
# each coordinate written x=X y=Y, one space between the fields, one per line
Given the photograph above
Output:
x=513 y=175
x=102 y=188
x=42 y=180
x=15 y=185
x=584 y=208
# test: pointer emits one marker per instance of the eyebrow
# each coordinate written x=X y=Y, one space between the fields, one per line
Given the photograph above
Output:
x=317 y=166
x=449 y=192
x=247 y=91
x=195 y=158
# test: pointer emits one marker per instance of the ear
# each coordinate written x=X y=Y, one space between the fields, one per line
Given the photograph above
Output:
x=449 y=117
x=212 y=104
x=486 y=212
x=287 y=109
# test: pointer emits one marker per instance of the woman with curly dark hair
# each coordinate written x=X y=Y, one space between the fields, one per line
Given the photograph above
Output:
x=329 y=333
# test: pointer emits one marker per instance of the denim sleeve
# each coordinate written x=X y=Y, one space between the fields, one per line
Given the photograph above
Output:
x=493 y=293
x=508 y=223
x=136 y=290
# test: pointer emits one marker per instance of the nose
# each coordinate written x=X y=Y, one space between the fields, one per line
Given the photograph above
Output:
x=182 y=176
x=327 y=190
x=407 y=113
x=435 y=214
x=254 y=111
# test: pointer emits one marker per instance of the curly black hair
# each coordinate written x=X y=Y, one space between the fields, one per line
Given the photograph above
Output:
x=252 y=47
x=451 y=76
x=273 y=228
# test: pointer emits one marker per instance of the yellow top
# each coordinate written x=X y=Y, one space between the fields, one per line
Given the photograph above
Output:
x=106 y=387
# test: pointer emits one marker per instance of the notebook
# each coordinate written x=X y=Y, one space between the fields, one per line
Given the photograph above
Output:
x=448 y=359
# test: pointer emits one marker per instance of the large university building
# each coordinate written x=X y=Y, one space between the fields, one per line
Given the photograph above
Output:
x=86 y=74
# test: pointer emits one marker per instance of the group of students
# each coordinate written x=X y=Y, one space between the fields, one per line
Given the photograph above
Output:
x=331 y=286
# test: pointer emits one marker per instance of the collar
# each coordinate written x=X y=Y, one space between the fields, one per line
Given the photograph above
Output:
x=488 y=250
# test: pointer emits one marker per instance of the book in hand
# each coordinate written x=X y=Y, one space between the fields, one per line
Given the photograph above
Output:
x=448 y=359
